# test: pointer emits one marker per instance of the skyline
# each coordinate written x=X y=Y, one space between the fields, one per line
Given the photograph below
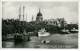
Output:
x=50 y=10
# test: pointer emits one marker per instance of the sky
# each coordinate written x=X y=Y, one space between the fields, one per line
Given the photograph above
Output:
x=49 y=10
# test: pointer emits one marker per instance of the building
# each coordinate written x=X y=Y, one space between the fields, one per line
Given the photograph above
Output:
x=60 y=22
x=39 y=17
x=51 y=22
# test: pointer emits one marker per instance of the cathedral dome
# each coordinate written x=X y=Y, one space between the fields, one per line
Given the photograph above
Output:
x=39 y=14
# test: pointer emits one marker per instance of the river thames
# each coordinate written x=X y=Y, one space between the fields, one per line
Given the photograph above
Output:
x=56 y=41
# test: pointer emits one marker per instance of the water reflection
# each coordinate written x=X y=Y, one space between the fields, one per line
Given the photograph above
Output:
x=19 y=45
x=32 y=45
x=8 y=44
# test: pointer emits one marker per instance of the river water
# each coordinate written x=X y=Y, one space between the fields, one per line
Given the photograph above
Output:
x=57 y=41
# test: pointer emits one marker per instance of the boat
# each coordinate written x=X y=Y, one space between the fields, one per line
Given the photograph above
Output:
x=64 y=31
x=43 y=32
x=74 y=30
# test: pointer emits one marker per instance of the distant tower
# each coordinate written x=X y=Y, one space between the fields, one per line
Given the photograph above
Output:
x=26 y=17
x=39 y=17
x=32 y=18
x=19 y=13
x=23 y=12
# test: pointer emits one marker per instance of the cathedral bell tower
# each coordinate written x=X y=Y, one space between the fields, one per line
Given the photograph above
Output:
x=39 y=17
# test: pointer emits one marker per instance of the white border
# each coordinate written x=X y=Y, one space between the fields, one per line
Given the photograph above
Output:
x=44 y=0
x=21 y=49
x=0 y=24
